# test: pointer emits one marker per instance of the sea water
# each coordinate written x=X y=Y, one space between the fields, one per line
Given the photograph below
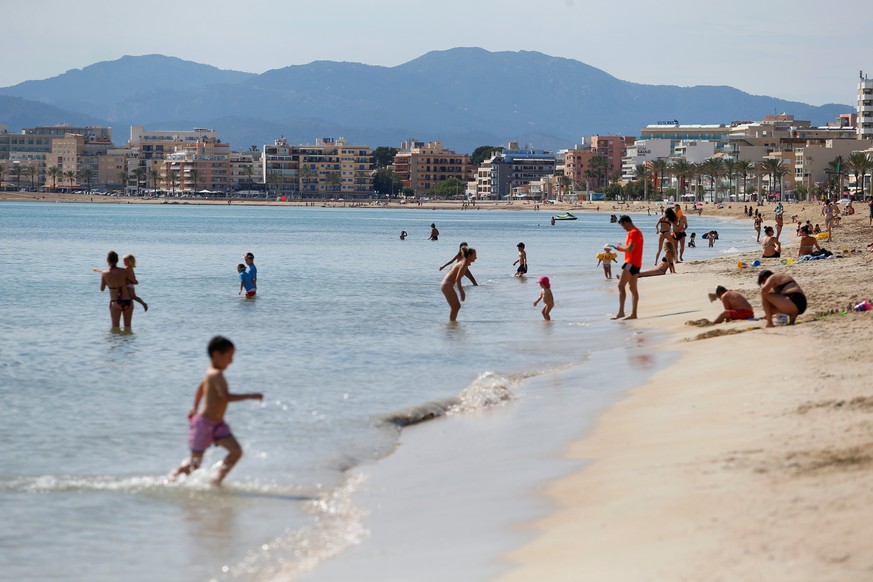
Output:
x=348 y=339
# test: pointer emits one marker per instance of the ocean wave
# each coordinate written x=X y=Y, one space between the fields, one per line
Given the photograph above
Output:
x=195 y=483
x=488 y=390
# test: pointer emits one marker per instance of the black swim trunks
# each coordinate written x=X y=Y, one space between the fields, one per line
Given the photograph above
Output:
x=679 y=235
x=632 y=269
x=798 y=299
x=521 y=269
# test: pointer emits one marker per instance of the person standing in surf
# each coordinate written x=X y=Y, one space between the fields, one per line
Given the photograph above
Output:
x=453 y=279
x=630 y=270
x=207 y=427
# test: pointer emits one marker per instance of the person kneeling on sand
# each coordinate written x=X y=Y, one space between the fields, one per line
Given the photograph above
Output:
x=780 y=294
x=735 y=305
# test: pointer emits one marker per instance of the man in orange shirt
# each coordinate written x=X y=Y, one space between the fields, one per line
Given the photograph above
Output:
x=630 y=270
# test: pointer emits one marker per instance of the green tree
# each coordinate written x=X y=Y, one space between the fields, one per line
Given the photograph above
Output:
x=859 y=164
x=87 y=175
x=33 y=172
x=174 y=179
x=248 y=172
x=54 y=172
x=682 y=170
x=772 y=167
x=304 y=174
x=448 y=188
x=383 y=156
x=482 y=153
x=643 y=174
x=387 y=182
x=730 y=169
x=599 y=167
x=659 y=168
x=153 y=174
x=139 y=173
x=71 y=176
x=713 y=168
x=744 y=168
x=195 y=179
x=333 y=180
x=17 y=170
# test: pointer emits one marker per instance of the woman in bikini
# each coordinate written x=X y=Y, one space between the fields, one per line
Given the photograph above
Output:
x=665 y=227
x=120 y=302
x=780 y=294
x=771 y=244
x=453 y=278
x=808 y=243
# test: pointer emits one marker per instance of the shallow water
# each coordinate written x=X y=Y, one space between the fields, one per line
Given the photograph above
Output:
x=347 y=338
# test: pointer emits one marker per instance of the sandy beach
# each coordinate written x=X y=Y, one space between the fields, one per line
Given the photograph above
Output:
x=748 y=459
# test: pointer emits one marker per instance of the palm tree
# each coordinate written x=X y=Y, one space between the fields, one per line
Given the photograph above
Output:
x=17 y=170
x=730 y=168
x=139 y=173
x=304 y=173
x=333 y=179
x=859 y=164
x=71 y=176
x=599 y=167
x=714 y=169
x=697 y=173
x=642 y=172
x=659 y=168
x=772 y=167
x=743 y=168
x=33 y=172
x=682 y=169
x=249 y=172
x=87 y=175
x=2 y=169
x=54 y=172
x=153 y=174
x=195 y=179
x=174 y=179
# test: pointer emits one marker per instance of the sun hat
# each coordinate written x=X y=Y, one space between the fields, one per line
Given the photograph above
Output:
x=544 y=281
x=607 y=247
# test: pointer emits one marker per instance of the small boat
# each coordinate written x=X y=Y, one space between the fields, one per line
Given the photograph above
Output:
x=565 y=216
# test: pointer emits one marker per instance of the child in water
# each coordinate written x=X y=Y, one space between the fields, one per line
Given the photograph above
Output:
x=207 y=426
x=606 y=258
x=546 y=296
x=129 y=266
x=246 y=282
x=521 y=261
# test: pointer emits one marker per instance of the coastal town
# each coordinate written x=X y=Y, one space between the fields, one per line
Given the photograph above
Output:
x=776 y=156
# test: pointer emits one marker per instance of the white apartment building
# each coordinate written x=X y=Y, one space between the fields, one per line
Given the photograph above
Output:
x=865 y=107
x=643 y=151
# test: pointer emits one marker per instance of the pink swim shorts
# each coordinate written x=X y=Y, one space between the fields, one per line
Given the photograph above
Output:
x=203 y=432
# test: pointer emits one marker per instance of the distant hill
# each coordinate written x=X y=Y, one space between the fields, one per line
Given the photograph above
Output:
x=464 y=97
x=17 y=113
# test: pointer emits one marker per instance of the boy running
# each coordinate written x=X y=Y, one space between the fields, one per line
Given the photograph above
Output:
x=207 y=427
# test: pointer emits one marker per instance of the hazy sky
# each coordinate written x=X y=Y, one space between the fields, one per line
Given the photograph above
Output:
x=802 y=50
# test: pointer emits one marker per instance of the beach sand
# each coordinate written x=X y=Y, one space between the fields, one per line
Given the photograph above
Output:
x=748 y=459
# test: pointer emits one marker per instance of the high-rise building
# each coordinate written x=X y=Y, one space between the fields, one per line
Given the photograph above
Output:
x=865 y=107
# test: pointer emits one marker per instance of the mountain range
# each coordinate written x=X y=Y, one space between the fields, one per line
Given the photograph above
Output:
x=464 y=97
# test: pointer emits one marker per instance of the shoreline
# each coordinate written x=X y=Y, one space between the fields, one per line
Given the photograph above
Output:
x=748 y=458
